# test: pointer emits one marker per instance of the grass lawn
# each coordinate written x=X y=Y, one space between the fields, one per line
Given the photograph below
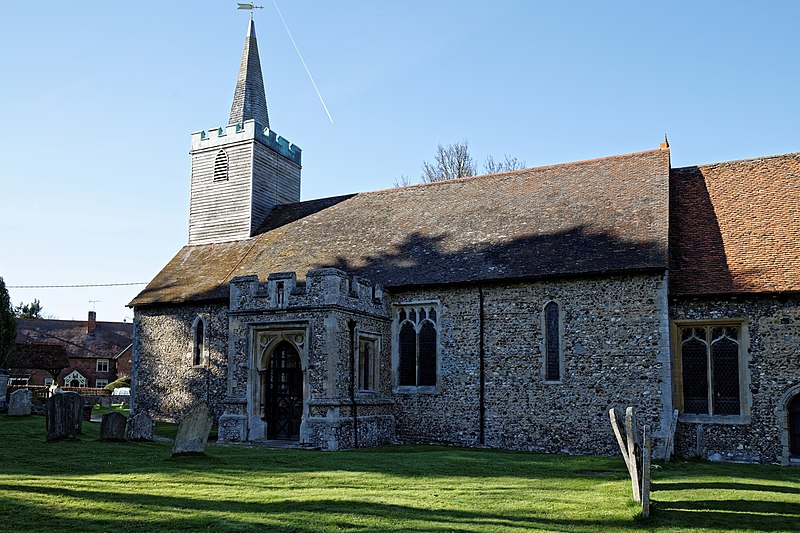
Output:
x=89 y=485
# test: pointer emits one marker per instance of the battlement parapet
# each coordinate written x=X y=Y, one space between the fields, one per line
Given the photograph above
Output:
x=323 y=287
x=248 y=130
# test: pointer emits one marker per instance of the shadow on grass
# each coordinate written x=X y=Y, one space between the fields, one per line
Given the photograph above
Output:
x=700 y=485
x=293 y=515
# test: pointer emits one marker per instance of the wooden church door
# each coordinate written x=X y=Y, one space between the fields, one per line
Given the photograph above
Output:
x=284 y=393
x=794 y=426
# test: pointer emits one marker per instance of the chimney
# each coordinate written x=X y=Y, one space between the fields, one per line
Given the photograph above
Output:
x=91 y=324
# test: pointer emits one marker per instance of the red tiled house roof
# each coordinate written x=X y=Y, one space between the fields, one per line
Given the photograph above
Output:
x=735 y=227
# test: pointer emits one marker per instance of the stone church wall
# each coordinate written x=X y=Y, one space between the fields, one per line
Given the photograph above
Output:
x=615 y=353
x=773 y=370
x=316 y=317
x=166 y=383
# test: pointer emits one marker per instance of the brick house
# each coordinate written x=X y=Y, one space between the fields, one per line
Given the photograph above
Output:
x=508 y=310
x=97 y=352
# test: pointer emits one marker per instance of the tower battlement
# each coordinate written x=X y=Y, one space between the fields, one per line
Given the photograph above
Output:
x=246 y=131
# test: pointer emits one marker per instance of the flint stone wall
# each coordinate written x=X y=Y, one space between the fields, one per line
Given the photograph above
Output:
x=166 y=384
x=773 y=327
x=315 y=318
x=615 y=353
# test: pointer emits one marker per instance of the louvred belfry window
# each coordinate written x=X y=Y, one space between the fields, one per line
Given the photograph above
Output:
x=221 y=166
x=417 y=346
x=710 y=375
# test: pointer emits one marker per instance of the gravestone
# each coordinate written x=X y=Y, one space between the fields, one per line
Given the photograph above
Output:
x=19 y=403
x=140 y=427
x=112 y=427
x=193 y=431
x=105 y=401
x=64 y=416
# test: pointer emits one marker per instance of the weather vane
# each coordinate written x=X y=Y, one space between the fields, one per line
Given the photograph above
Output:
x=249 y=7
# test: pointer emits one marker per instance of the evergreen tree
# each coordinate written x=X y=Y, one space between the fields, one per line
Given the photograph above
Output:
x=8 y=326
x=31 y=310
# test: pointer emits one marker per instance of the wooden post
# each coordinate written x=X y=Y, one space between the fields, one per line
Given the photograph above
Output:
x=634 y=445
x=627 y=446
x=646 y=450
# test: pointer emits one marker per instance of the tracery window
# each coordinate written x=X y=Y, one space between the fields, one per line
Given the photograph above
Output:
x=417 y=345
x=552 y=342
x=711 y=369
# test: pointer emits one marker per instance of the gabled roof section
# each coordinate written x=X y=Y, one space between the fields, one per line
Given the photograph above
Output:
x=602 y=216
x=107 y=341
x=249 y=98
x=735 y=227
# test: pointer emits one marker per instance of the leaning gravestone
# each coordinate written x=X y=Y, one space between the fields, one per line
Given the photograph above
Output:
x=193 y=431
x=140 y=427
x=64 y=416
x=19 y=403
x=112 y=427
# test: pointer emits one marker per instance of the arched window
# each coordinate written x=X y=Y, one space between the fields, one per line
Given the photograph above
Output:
x=199 y=349
x=427 y=354
x=408 y=354
x=221 y=166
x=552 y=342
x=417 y=347
x=710 y=359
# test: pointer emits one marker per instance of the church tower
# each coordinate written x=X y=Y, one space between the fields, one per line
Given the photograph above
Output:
x=240 y=172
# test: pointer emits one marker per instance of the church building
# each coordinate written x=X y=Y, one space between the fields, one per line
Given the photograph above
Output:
x=510 y=310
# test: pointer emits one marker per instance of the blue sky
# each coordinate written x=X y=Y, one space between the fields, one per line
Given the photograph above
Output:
x=99 y=99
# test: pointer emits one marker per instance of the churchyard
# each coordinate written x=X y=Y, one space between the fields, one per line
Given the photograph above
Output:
x=92 y=485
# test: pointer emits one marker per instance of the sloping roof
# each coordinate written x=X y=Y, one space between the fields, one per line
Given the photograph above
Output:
x=108 y=340
x=43 y=356
x=735 y=227
x=598 y=216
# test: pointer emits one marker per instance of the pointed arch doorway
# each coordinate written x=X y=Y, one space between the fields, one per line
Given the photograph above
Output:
x=283 y=393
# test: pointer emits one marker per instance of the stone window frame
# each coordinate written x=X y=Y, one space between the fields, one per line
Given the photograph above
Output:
x=100 y=383
x=103 y=365
x=782 y=414
x=198 y=355
x=375 y=340
x=745 y=397
x=415 y=304
x=543 y=347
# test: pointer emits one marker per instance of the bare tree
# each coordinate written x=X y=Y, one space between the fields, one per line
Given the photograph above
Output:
x=509 y=163
x=451 y=162
x=402 y=181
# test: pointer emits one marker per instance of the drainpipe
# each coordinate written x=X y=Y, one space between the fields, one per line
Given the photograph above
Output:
x=482 y=359
x=351 y=324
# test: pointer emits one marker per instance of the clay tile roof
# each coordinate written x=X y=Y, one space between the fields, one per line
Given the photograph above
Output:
x=598 y=216
x=108 y=340
x=735 y=227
